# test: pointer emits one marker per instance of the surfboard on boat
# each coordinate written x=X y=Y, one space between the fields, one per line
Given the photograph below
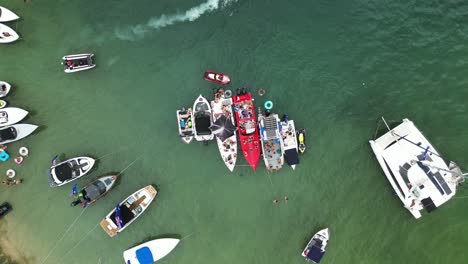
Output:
x=150 y=251
x=7 y=34
x=7 y=15
x=11 y=115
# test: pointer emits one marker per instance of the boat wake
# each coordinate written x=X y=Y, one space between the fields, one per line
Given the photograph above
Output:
x=137 y=32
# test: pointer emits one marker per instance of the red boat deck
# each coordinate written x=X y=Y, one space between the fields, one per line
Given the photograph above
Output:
x=247 y=128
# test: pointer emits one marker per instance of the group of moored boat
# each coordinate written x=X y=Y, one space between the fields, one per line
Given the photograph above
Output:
x=232 y=120
x=7 y=34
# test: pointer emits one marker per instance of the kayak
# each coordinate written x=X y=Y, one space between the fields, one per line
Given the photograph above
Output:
x=217 y=77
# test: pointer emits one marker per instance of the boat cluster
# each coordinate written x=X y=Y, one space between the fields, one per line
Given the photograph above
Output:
x=231 y=120
x=7 y=34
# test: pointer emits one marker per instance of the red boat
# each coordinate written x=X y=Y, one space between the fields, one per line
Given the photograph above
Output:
x=217 y=77
x=247 y=127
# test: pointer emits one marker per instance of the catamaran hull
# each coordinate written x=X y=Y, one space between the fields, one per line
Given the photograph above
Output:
x=159 y=248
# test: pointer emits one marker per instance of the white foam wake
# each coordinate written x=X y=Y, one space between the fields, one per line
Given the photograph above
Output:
x=138 y=31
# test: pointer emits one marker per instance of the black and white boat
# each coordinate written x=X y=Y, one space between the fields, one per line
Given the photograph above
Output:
x=202 y=119
x=78 y=62
x=315 y=249
x=419 y=175
x=96 y=189
x=5 y=208
x=15 y=132
x=291 y=154
x=70 y=170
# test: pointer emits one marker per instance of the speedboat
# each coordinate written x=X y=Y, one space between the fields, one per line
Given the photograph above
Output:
x=15 y=132
x=11 y=115
x=7 y=34
x=7 y=15
x=128 y=210
x=150 y=252
x=5 y=208
x=247 y=126
x=272 y=140
x=224 y=127
x=216 y=77
x=184 y=122
x=69 y=170
x=78 y=62
x=96 y=189
x=290 y=142
x=202 y=120
x=301 y=140
x=315 y=249
x=4 y=88
x=419 y=175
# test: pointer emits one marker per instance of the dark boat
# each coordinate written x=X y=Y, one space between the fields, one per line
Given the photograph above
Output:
x=98 y=188
x=216 y=77
x=5 y=208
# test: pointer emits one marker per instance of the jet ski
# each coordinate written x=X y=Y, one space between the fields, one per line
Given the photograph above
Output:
x=216 y=77
x=301 y=140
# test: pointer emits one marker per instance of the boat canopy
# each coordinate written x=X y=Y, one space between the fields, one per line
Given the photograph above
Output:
x=95 y=190
x=315 y=253
x=144 y=256
x=202 y=124
x=292 y=157
x=8 y=134
x=223 y=128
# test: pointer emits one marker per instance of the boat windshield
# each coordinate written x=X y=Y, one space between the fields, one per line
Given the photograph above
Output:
x=7 y=134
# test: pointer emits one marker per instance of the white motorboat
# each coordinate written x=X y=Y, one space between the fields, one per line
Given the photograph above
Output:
x=419 y=175
x=4 y=88
x=150 y=251
x=224 y=128
x=11 y=115
x=7 y=34
x=202 y=119
x=315 y=249
x=7 y=15
x=184 y=122
x=15 y=132
x=69 y=170
x=272 y=141
x=78 y=62
x=288 y=133
x=128 y=210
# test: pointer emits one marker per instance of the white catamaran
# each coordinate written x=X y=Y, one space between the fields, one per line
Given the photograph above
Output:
x=421 y=178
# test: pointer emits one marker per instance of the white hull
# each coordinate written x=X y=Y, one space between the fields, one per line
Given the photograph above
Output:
x=7 y=15
x=322 y=235
x=22 y=131
x=159 y=248
x=78 y=68
x=3 y=103
x=11 y=115
x=289 y=139
x=145 y=196
x=84 y=170
x=201 y=105
x=7 y=88
x=228 y=147
x=419 y=183
x=7 y=34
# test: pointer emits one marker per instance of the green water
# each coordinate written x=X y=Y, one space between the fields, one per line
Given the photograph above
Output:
x=334 y=67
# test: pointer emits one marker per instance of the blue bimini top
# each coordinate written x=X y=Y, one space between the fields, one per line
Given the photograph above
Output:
x=144 y=256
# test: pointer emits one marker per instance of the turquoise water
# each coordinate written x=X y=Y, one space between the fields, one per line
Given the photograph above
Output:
x=334 y=67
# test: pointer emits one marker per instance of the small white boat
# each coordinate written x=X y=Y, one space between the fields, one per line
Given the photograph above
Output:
x=4 y=88
x=315 y=249
x=150 y=251
x=15 y=132
x=78 y=62
x=224 y=128
x=202 y=120
x=7 y=15
x=11 y=115
x=3 y=103
x=184 y=122
x=70 y=170
x=288 y=132
x=419 y=175
x=7 y=34
x=128 y=210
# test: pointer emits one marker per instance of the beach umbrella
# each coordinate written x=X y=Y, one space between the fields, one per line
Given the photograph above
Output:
x=223 y=128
